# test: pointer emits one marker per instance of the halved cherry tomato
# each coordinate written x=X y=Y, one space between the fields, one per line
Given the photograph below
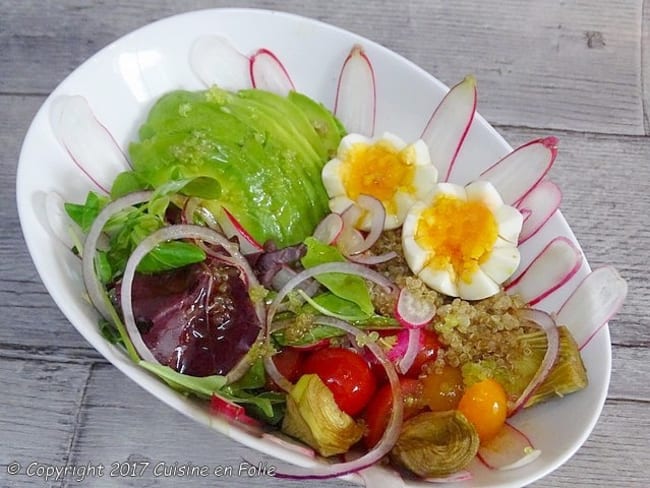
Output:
x=346 y=374
x=288 y=361
x=379 y=409
x=485 y=405
x=443 y=390
x=429 y=345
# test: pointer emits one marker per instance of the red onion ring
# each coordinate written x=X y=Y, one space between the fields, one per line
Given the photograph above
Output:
x=96 y=291
x=372 y=260
x=175 y=232
x=545 y=322
x=377 y=219
x=392 y=431
x=412 y=350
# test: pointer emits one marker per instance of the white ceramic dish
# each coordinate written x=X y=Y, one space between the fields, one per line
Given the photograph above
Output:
x=123 y=80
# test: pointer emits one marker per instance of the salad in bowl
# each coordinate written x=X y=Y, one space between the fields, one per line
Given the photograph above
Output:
x=354 y=271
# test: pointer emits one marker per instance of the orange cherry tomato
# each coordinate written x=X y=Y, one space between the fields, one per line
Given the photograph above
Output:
x=442 y=391
x=485 y=405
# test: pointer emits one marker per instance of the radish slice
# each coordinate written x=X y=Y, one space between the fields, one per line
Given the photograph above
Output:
x=518 y=172
x=391 y=433
x=596 y=299
x=412 y=349
x=510 y=449
x=551 y=269
x=174 y=232
x=537 y=207
x=356 y=102
x=329 y=229
x=215 y=61
x=545 y=322
x=268 y=73
x=413 y=312
x=90 y=145
x=95 y=290
x=452 y=478
x=231 y=411
x=449 y=125
x=232 y=228
x=59 y=222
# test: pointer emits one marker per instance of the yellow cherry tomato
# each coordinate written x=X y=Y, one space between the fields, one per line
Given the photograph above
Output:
x=485 y=405
x=442 y=391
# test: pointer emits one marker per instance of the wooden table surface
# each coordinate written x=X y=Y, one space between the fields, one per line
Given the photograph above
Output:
x=579 y=70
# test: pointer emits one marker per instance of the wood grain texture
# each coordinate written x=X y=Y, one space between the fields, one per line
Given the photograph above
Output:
x=579 y=70
x=535 y=56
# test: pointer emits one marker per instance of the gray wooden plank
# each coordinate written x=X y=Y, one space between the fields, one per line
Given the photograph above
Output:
x=38 y=416
x=568 y=65
x=645 y=64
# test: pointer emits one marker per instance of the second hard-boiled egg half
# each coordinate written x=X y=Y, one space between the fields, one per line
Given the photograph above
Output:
x=462 y=241
x=386 y=168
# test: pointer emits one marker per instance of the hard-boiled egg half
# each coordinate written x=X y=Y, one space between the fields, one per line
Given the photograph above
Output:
x=462 y=241
x=395 y=173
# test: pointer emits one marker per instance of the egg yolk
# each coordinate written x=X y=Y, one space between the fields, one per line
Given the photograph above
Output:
x=458 y=233
x=378 y=170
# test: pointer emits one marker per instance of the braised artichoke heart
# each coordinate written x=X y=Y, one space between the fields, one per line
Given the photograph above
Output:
x=434 y=444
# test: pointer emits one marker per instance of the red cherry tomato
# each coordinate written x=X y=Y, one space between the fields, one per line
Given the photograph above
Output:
x=378 y=410
x=428 y=352
x=346 y=374
x=288 y=361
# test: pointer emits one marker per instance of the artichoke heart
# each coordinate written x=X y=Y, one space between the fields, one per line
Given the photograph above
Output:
x=434 y=444
x=314 y=417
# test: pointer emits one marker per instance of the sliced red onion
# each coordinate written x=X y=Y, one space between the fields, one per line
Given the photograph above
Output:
x=350 y=240
x=314 y=346
x=356 y=98
x=190 y=207
x=510 y=449
x=537 y=207
x=449 y=124
x=268 y=73
x=329 y=229
x=233 y=228
x=96 y=291
x=215 y=61
x=288 y=443
x=90 y=145
x=413 y=312
x=519 y=171
x=552 y=268
x=545 y=322
x=391 y=433
x=596 y=300
x=175 y=232
x=397 y=352
x=412 y=349
x=377 y=213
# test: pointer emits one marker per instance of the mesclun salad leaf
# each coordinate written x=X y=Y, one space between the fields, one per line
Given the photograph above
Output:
x=265 y=151
x=345 y=286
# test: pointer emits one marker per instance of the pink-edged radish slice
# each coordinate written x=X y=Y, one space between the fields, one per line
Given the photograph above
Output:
x=545 y=322
x=329 y=229
x=232 y=228
x=510 y=449
x=449 y=125
x=356 y=97
x=412 y=311
x=596 y=300
x=452 y=478
x=231 y=411
x=268 y=73
x=90 y=145
x=59 y=222
x=518 y=172
x=215 y=61
x=412 y=349
x=552 y=268
x=537 y=207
